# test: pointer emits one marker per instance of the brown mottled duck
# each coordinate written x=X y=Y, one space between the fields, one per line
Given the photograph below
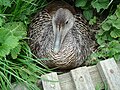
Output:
x=59 y=34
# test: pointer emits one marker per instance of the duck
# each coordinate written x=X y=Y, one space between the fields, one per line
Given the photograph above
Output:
x=61 y=35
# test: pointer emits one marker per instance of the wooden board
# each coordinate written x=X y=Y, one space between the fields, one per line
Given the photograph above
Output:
x=107 y=71
x=110 y=73
x=82 y=79
x=66 y=81
x=50 y=81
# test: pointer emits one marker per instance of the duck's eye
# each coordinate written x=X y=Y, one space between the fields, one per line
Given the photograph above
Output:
x=66 y=22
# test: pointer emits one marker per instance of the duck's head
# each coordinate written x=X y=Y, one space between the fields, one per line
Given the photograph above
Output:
x=62 y=21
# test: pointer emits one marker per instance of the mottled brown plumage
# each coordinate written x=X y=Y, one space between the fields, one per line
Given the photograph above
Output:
x=59 y=34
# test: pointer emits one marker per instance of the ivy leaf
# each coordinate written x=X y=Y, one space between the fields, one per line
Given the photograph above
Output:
x=117 y=23
x=18 y=29
x=111 y=52
x=88 y=14
x=115 y=45
x=118 y=11
x=106 y=26
x=15 y=51
x=113 y=18
x=117 y=56
x=4 y=50
x=115 y=33
x=99 y=5
x=5 y=3
x=80 y=3
x=100 y=40
x=101 y=31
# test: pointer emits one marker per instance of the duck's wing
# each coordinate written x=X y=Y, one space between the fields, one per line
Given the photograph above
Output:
x=38 y=29
x=83 y=28
x=83 y=39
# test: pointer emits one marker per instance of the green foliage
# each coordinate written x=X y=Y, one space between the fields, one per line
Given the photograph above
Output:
x=5 y=3
x=93 y=20
x=20 y=10
x=80 y=3
x=15 y=51
x=88 y=14
x=109 y=37
x=16 y=62
x=10 y=35
x=100 y=4
x=89 y=6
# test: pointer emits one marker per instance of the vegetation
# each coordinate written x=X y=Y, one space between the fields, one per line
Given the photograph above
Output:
x=16 y=61
x=108 y=37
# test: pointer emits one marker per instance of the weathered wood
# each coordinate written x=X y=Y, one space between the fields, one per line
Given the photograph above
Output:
x=67 y=83
x=50 y=81
x=110 y=73
x=96 y=78
x=82 y=79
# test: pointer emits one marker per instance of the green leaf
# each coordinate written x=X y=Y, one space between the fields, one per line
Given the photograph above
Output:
x=15 y=51
x=92 y=21
x=88 y=14
x=115 y=33
x=117 y=56
x=4 y=50
x=99 y=5
x=18 y=29
x=10 y=35
x=117 y=23
x=115 y=45
x=100 y=40
x=112 y=17
x=101 y=31
x=5 y=3
x=3 y=34
x=106 y=25
x=80 y=3
x=11 y=41
x=110 y=49
x=118 y=11
x=112 y=52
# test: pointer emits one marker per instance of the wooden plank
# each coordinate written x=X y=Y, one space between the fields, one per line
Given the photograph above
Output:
x=50 y=81
x=67 y=83
x=110 y=73
x=82 y=79
x=96 y=78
